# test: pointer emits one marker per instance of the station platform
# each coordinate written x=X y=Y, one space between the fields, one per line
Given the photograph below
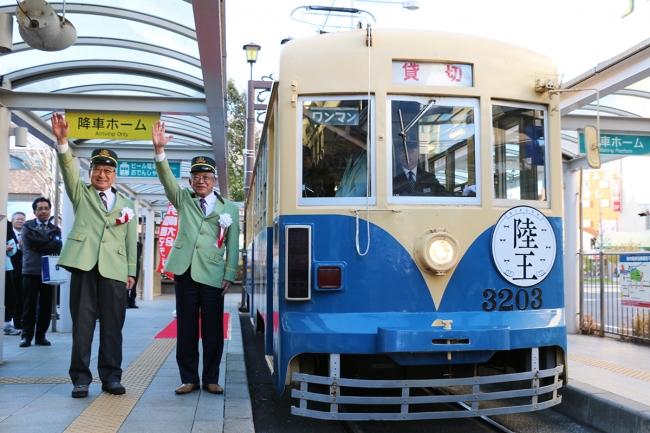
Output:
x=609 y=383
x=35 y=387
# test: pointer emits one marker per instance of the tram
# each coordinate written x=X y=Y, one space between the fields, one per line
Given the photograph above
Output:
x=404 y=227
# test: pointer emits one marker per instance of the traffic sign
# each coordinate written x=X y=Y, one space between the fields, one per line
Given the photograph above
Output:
x=618 y=144
x=145 y=169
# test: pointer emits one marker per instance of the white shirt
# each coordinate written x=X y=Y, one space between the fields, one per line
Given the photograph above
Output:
x=17 y=233
x=414 y=170
x=110 y=198
x=110 y=195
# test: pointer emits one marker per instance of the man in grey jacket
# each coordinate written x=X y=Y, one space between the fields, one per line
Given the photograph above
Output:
x=39 y=238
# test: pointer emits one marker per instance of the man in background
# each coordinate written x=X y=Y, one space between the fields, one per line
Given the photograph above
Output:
x=133 y=293
x=39 y=238
x=410 y=180
x=17 y=221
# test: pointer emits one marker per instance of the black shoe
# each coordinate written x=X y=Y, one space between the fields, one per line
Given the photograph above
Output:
x=80 y=391
x=132 y=306
x=42 y=342
x=25 y=342
x=114 y=388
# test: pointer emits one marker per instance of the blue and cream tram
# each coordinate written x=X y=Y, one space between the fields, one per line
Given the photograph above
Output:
x=404 y=227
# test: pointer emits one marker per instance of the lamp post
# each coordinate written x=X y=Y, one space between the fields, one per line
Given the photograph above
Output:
x=251 y=54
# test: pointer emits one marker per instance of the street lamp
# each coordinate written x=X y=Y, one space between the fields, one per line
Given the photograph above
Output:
x=251 y=54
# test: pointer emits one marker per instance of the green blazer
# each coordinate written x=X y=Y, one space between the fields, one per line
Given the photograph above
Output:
x=197 y=235
x=96 y=237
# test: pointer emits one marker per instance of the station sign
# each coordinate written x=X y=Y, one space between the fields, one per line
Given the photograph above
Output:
x=618 y=144
x=146 y=169
x=110 y=126
x=432 y=74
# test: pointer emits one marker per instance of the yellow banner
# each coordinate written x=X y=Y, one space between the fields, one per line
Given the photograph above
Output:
x=111 y=126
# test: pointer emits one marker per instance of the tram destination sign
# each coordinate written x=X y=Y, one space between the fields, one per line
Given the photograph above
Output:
x=146 y=169
x=111 y=126
x=617 y=144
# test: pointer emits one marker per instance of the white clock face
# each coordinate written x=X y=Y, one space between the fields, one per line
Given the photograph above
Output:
x=523 y=246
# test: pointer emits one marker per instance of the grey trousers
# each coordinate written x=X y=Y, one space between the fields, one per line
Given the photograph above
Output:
x=90 y=294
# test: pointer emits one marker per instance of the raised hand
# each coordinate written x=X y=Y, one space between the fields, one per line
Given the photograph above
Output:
x=60 y=128
x=158 y=136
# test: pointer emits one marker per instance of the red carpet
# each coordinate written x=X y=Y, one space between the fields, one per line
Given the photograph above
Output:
x=170 y=330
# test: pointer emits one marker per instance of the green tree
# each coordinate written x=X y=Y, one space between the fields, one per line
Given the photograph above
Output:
x=236 y=141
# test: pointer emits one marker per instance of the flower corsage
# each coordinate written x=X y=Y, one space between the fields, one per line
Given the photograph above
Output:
x=127 y=215
x=224 y=222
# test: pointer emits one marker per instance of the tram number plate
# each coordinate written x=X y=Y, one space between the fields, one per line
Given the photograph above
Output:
x=507 y=300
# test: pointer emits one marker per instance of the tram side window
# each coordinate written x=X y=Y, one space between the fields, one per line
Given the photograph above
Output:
x=334 y=156
x=519 y=151
x=433 y=147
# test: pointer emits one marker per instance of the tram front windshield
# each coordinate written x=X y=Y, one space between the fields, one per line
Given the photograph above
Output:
x=433 y=147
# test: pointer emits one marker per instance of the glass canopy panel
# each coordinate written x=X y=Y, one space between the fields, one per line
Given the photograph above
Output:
x=71 y=81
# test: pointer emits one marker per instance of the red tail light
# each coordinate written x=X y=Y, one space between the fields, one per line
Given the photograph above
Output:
x=329 y=277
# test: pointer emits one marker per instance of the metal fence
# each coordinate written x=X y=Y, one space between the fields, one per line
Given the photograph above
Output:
x=607 y=305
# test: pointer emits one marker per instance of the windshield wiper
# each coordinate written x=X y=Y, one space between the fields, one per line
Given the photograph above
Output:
x=403 y=131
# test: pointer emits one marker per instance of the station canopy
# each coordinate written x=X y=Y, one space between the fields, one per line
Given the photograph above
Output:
x=135 y=56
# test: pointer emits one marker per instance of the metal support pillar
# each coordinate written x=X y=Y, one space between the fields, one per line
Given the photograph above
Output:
x=571 y=250
x=5 y=123
x=149 y=249
x=67 y=220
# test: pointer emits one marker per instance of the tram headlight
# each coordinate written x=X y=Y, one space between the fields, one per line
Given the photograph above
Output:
x=437 y=250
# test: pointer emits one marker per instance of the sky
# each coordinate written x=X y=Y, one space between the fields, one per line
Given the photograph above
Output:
x=576 y=34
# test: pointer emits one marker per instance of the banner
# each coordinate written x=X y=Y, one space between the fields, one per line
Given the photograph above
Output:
x=166 y=237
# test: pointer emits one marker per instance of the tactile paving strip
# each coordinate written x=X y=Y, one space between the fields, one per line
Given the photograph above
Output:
x=108 y=412
x=636 y=374
x=51 y=380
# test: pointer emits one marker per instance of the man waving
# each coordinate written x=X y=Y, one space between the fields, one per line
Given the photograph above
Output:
x=208 y=228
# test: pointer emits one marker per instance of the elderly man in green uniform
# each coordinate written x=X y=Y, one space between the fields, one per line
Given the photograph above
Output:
x=208 y=227
x=100 y=252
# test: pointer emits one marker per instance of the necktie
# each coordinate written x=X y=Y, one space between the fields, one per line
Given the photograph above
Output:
x=412 y=181
x=103 y=197
x=203 y=205
x=42 y=227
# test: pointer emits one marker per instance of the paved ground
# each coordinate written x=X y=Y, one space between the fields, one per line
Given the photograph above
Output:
x=35 y=388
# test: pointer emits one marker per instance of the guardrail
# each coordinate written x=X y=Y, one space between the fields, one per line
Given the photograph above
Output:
x=615 y=294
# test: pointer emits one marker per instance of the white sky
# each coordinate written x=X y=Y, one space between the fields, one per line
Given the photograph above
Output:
x=576 y=34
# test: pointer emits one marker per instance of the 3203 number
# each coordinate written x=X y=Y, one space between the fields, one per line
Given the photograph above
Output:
x=507 y=300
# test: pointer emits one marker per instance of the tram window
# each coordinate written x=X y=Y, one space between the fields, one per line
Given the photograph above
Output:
x=334 y=156
x=433 y=147
x=519 y=151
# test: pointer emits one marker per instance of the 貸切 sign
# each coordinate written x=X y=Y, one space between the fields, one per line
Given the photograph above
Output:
x=111 y=126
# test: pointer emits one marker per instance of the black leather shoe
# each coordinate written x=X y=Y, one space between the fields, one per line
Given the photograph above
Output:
x=114 y=388
x=25 y=343
x=80 y=391
x=43 y=342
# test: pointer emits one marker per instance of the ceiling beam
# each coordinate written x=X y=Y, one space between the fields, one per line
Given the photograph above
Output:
x=209 y=20
x=608 y=77
x=90 y=102
x=23 y=77
x=627 y=125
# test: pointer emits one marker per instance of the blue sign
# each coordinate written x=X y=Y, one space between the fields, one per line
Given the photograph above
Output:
x=618 y=144
x=145 y=169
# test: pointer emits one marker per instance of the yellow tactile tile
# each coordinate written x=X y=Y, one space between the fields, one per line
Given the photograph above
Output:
x=108 y=412
x=611 y=367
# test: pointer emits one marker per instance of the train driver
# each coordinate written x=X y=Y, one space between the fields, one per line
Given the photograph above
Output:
x=411 y=180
